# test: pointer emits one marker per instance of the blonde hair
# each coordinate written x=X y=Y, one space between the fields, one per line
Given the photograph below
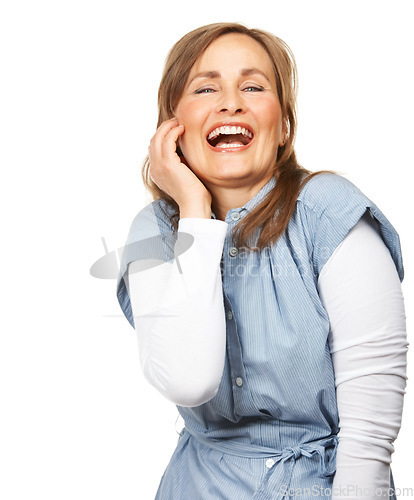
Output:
x=274 y=212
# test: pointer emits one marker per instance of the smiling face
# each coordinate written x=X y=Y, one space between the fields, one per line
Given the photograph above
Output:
x=232 y=115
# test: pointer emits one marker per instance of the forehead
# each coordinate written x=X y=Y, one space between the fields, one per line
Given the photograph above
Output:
x=233 y=50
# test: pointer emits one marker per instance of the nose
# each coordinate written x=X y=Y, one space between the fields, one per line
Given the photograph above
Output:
x=231 y=102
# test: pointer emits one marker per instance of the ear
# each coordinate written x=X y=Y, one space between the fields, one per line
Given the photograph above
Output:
x=285 y=132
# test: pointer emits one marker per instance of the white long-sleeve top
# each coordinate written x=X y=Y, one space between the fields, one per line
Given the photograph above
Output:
x=182 y=341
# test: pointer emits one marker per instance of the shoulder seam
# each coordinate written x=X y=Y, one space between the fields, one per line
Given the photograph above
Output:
x=314 y=204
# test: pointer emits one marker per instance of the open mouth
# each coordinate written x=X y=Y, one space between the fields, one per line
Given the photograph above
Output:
x=230 y=137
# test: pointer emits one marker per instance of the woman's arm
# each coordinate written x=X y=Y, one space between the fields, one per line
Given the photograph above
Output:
x=179 y=317
x=361 y=291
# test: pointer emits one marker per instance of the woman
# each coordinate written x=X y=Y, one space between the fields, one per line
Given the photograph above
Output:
x=266 y=299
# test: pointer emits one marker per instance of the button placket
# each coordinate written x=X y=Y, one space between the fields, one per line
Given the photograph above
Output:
x=229 y=258
x=241 y=397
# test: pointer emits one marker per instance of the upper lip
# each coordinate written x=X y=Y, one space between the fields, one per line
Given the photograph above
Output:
x=230 y=124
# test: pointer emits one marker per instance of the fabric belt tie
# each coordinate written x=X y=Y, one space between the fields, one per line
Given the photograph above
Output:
x=278 y=478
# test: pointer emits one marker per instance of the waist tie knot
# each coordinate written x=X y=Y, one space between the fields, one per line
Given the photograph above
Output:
x=296 y=451
x=278 y=478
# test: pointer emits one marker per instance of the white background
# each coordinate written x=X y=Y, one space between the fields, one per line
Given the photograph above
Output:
x=78 y=108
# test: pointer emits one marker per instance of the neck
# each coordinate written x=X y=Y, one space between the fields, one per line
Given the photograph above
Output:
x=227 y=198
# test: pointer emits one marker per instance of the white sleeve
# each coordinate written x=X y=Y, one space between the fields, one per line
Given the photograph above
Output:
x=361 y=292
x=179 y=317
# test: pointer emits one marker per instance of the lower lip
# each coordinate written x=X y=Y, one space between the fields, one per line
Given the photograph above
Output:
x=237 y=149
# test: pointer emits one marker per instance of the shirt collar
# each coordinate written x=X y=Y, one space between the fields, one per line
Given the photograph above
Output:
x=256 y=200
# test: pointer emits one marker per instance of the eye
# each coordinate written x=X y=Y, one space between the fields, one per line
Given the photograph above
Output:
x=204 y=91
x=254 y=88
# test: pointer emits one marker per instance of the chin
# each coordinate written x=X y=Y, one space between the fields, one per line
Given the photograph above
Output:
x=228 y=174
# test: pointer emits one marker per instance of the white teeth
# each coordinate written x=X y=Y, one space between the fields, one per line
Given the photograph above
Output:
x=230 y=145
x=229 y=130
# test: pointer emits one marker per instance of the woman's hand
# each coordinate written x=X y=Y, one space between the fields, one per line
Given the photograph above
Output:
x=174 y=177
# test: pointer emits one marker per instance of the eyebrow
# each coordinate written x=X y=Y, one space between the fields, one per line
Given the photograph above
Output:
x=217 y=74
x=254 y=71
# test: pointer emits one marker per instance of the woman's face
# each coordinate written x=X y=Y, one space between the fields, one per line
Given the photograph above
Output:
x=231 y=113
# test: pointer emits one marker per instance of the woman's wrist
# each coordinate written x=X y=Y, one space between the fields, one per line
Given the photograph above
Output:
x=198 y=210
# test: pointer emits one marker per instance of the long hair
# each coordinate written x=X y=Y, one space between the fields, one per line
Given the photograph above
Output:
x=273 y=214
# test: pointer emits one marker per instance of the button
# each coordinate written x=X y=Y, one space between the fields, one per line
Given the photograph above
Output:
x=233 y=251
x=230 y=315
x=235 y=216
x=270 y=463
x=239 y=381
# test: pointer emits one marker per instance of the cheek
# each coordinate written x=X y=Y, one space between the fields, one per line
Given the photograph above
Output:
x=190 y=115
x=270 y=116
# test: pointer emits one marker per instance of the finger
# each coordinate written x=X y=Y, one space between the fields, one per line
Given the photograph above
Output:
x=165 y=127
x=169 y=144
x=162 y=151
x=159 y=137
